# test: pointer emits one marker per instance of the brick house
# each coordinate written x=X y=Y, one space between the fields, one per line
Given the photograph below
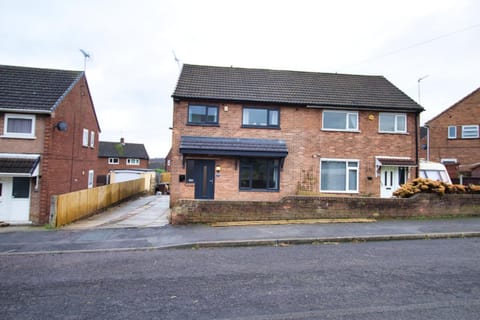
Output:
x=255 y=134
x=120 y=156
x=454 y=139
x=49 y=139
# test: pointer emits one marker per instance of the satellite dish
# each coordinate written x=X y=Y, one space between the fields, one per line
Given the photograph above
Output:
x=61 y=126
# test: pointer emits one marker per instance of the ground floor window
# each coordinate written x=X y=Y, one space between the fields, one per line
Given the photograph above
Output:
x=91 y=175
x=259 y=174
x=339 y=175
x=21 y=187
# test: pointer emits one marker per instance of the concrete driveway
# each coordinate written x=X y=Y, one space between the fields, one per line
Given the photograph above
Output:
x=146 y=211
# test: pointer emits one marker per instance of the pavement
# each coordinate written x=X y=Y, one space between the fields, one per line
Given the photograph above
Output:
x=142 y=224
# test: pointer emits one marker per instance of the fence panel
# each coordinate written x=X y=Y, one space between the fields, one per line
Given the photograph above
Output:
x=76 y=205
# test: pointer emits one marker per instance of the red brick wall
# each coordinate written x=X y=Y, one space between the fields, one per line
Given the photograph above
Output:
x=465 y=112
x=306 y=142
x=298 y=207
x=66 y=162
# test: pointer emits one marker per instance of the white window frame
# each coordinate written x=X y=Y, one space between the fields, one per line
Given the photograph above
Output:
x=85 y=137
x=114 y=161
x=92 y=139
x=448 y=160
x=9 y=116
x=133 y=162
x=91 y=176
x=395 y=124
x=452 y=132
x=347 y=115
x=347 y=169
x=472 y=128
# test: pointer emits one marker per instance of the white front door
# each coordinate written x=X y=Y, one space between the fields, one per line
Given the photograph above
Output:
x=14 y=209
x=389 y=181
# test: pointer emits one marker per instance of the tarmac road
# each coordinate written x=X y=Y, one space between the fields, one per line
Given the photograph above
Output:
x=390 y=280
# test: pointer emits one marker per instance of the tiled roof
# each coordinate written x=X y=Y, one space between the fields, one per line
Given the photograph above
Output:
x=233 y=146
x=14 y=166
x=34 y=89
x=119 y=150
x=291 y=87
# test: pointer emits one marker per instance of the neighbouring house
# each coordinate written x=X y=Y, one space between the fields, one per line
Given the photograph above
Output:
x=49 y=139
x=453 y=138
x=126 y=160
x=256 y=134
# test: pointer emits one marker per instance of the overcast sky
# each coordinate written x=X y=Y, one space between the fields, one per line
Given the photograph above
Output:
x=132 y=71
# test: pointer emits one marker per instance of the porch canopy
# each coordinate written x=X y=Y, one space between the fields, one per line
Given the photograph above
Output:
x=395 y=162
x=19 y=165
x=241 y=147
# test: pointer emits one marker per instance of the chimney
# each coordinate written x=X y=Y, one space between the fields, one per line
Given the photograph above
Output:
x=122 y=141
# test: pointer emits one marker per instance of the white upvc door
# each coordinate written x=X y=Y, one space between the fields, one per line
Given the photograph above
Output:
x=3 y=203
x=389 y=181
x=13 y=210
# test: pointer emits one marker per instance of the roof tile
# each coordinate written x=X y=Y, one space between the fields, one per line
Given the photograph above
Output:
x=291 y=87
x=34 y=89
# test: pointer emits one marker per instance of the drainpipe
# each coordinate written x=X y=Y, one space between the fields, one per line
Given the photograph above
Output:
x=428 y=141
x=416 y=145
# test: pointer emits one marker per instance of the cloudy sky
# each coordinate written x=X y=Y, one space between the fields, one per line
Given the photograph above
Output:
x=132 y=71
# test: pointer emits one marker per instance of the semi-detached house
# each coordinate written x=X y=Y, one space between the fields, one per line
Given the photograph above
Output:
x=48 y=140
x=257 y=134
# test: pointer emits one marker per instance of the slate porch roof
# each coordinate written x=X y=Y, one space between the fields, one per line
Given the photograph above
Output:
x=118 y=150
x=233 y=146
x=19 y=165
x=291 y=88
x=24 y=89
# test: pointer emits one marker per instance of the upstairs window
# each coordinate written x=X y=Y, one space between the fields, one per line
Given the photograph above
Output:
x=452 y=132
x=340 y=120
x=204 y=115
x=260 y=117
x=393 y=123
x=133 y=162
x=85 y=138
x=470 y=132
x=19 y=126
x=92 y=139
x=113 y=160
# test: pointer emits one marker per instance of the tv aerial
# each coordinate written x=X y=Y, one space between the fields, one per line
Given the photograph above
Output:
x=86 y=57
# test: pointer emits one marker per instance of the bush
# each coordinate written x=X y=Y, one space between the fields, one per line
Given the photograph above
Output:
x=422 y=185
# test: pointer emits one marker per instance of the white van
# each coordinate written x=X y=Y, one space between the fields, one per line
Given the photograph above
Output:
x=434 y=171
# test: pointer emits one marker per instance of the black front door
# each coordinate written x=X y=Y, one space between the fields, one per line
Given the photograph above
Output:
x=204 y=177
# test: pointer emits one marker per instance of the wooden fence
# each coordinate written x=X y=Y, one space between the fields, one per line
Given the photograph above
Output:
x=69 y=207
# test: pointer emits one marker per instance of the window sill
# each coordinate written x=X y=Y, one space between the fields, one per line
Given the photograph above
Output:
x=337 y=191
x=259 y=190
x=203 y=124
x=259 y=127
x=340 y=130
x=18 y=137
x=388 y=132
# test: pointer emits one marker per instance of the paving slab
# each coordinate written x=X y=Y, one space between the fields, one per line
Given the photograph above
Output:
x=197 y=236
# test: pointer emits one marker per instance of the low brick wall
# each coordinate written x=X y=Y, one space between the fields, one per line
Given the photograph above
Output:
x=310 y=207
